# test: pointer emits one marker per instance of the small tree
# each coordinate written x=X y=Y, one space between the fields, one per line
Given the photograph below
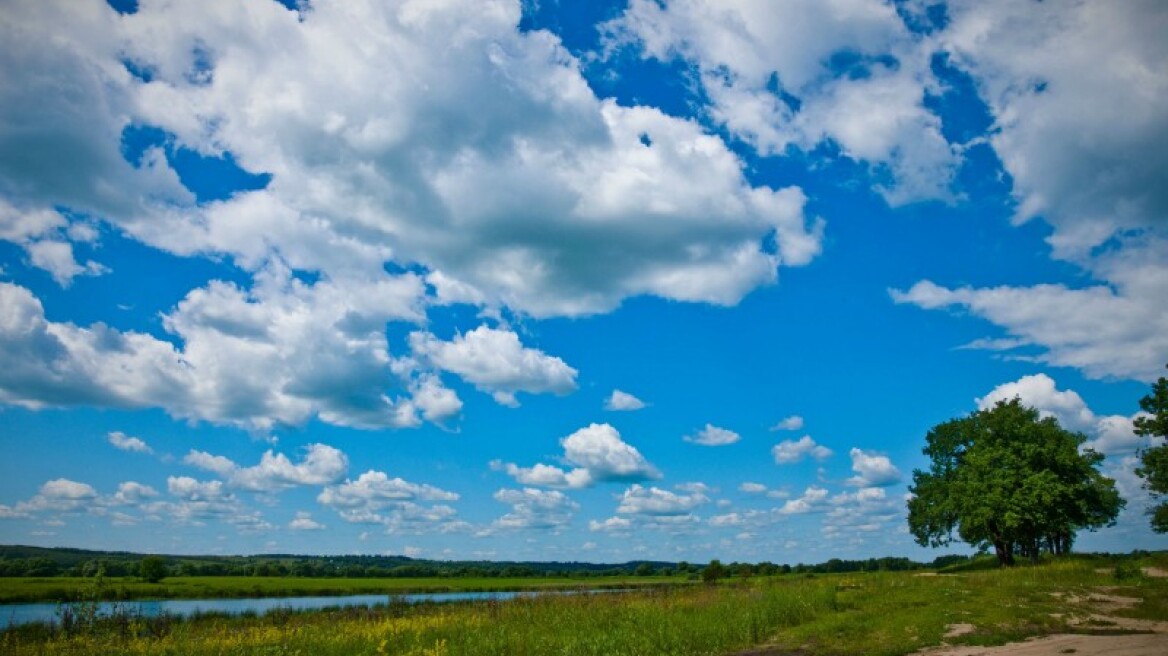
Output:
x=152 y=569
x=714 y=571
x=1154 y=461
x=1006 y=478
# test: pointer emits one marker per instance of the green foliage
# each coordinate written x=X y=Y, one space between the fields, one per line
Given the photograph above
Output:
x=152 y=569
x=1006 y=478
x=714 y=571
x=1154 y=461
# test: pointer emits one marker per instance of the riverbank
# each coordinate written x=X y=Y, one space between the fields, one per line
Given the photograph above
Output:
x=55 y=589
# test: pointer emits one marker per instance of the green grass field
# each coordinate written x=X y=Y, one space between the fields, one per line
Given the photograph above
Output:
x=21 y=589
x=881 y=614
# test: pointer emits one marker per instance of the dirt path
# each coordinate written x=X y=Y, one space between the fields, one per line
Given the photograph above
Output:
x=1153 y=643
x=1142 y=644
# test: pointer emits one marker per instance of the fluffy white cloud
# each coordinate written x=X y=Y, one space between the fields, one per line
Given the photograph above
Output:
x=790 y=451
x=599 y=449
x=623 y=401
x=845 y=71
x=221 y=465
x=535 y=509
x=545 y=475
x=63 y=488
x=752 y=488
x=872 y=469
x=813 y=499
x=281 y=352
x=190 y=489
x=305 y=522
x=1109 y=434
x=1039 y=391
x=436 y=402
x=792 y=423
x=132 y=493
x=126 y=443
x=321 y=465
x=599 y=455
x=713 y=436
x=494 y=361
x=639 y=500
x=375 y=498
x=374 y=486
x=56 y=257
x=610 y=525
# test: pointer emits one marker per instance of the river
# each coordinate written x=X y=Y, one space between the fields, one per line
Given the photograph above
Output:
x=14 y=614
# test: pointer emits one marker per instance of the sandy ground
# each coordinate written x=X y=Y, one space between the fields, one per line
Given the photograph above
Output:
x=1152 y=643
x=1143 y=644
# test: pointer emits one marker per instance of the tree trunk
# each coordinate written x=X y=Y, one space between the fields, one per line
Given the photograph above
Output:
x=1005 y=552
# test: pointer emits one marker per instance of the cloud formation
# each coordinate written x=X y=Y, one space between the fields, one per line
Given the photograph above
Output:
x=535 y=509
x=375 y=498
x=792 y=423
x=126 y=443
x=1110 y=435
x=807 y=73
x=792 y=451
x=598 y=454
x=623 y=401
x=712 y=435
x=494 y=361
x=872 y=469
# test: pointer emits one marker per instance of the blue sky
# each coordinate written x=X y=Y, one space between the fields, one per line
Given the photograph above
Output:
x=562 y=280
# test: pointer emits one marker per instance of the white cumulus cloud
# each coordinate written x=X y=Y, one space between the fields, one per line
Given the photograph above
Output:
x=713 y=436
x=494 y=361
x=792 y=423
x=872 y=469
x=640 y=500
x=127 y=443
x=623 y=401
x=535 y=509
x=791 y=451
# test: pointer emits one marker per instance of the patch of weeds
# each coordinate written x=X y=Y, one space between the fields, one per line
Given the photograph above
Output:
x=1127 y=571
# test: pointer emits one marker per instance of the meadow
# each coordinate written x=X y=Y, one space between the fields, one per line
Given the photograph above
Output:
x=878 y=613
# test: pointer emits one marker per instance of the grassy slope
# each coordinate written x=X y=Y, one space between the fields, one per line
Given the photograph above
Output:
x=18 y=589
x=876 y=613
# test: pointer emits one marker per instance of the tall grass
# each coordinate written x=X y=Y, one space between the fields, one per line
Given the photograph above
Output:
x=866 y=613
x=674 y=621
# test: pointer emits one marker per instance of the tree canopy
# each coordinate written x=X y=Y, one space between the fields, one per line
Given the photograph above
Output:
x=1154 y=461
x=152 y=569
x=1006 y=477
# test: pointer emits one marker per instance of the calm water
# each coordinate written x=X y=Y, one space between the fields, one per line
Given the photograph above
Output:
x=12 y=614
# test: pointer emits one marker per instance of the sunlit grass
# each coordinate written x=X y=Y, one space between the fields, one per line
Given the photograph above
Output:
x=867 y=613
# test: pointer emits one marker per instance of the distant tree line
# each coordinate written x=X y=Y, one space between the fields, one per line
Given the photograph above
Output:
x=39 y=562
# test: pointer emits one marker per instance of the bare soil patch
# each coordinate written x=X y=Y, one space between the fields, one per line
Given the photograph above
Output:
x=1153 y=641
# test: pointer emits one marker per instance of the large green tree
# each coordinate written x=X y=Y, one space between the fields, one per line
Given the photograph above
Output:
x=152 y=569
x=1154 y=461
x=1006 y=478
